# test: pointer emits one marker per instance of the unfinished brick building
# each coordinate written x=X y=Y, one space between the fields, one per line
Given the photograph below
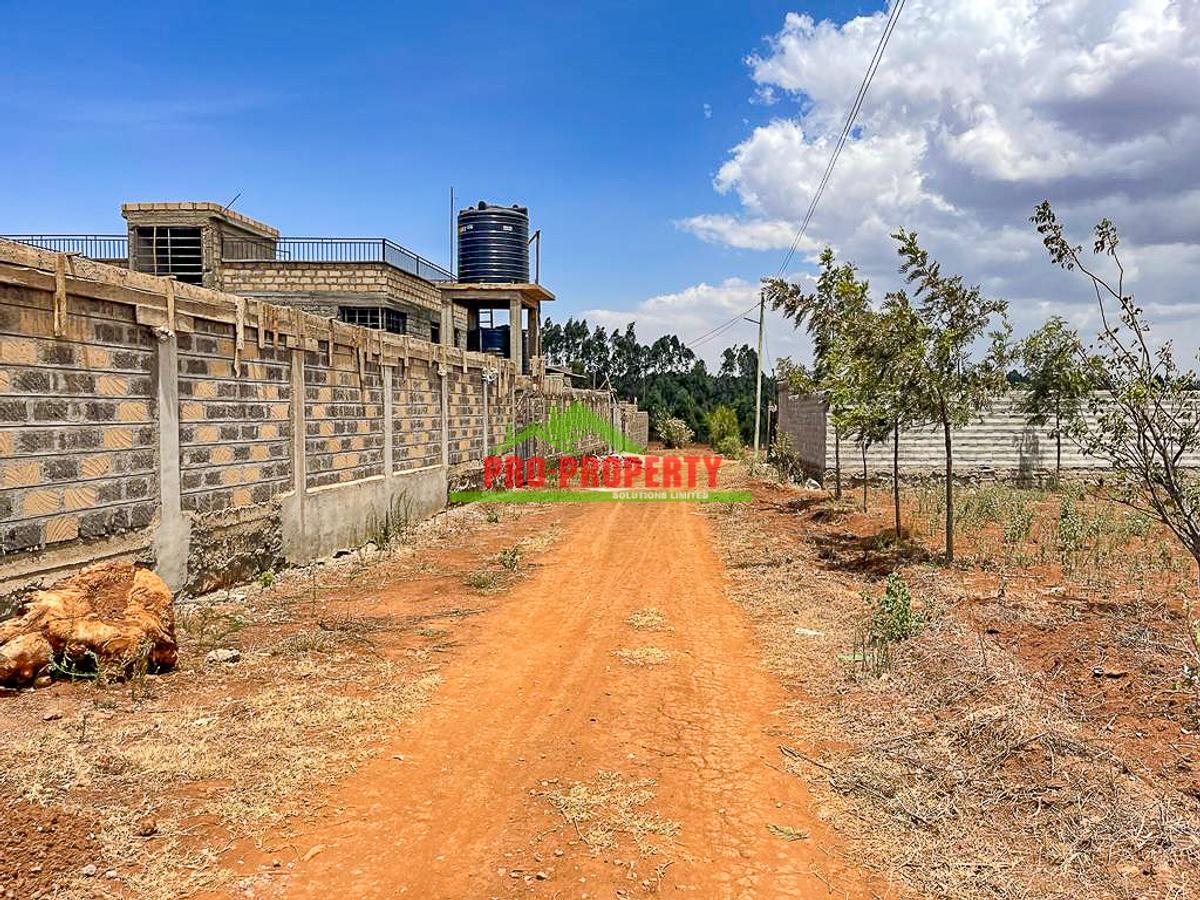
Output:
x=235 y=414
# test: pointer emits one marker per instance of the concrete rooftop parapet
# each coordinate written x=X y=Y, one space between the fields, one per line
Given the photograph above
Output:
x=203 y=210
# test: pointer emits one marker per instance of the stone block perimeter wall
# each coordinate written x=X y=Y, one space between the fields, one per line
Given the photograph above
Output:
x=235 y=429
x=416 y=416
x=466 y=414
x=78 y=424
x=802 y=420
x=214 y=437
x=343 y=410
x=1001 y=442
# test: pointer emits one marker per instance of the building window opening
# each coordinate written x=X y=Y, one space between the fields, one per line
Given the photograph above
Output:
x=435 y=332
x=169 y=250
x=376 y=317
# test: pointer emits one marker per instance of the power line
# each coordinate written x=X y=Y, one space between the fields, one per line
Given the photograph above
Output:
x=724 y=326
x=868 y=77
x=847 y=128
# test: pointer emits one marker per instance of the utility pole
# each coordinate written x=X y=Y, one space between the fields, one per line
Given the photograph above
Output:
x=762 y=300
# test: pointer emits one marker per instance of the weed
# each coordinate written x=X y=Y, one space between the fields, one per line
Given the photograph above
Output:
x=266 y=578
x=205 y=628
x=483 y=580
x=1018 y=522
x=1070 y=524
x=892 y=617
x=1135 y=524
x=510 y=557
x=491 y=515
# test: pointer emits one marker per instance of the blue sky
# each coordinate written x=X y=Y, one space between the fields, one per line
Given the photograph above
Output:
x=355 y=120
x=336 y=119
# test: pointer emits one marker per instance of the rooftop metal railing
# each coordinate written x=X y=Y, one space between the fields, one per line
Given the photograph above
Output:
x=326 y=249
x=93 y=246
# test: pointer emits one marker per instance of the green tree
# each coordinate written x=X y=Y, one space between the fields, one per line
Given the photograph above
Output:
x=957 y=384
x=1059 y=377
x=724 y=431
x=855 y=390
x=666 y=377
x=898 y=359
x=839 y=298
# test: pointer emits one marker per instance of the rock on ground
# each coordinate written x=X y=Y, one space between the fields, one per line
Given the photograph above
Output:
x=116 y=616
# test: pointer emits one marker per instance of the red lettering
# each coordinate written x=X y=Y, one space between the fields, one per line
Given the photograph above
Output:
x=492 y=466
x=610 y=471
x=513 y=469
x=633 y=468
x=567 y=467
x=589 y=474
x=671 y=466
x=652 y=472
x=535 y=471
x=712 y=463
x=692 y=461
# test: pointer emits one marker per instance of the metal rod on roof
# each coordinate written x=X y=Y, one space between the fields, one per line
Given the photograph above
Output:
x=452 y=266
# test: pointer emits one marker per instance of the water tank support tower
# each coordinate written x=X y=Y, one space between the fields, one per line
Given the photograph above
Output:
x=493 y=274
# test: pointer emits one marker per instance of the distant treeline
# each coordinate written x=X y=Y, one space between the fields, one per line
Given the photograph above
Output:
x=666 y=378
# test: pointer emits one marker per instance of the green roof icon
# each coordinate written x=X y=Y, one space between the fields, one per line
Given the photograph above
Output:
x=569 y=430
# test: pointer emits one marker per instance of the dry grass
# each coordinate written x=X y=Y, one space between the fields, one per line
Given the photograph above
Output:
x=259 y=753
x=963 y=771
x=787 y=832
x=216 y=753
x=643 y=656
x=961 y=752
x=649 y=618
x=609 y=806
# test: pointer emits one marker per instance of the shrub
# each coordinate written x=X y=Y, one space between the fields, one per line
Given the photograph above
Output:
x=1070 y=525
x=1018 y=522
x=724 y=431
x=892 y=617
x=510 y=557
x=787 y=463
x=674 y=432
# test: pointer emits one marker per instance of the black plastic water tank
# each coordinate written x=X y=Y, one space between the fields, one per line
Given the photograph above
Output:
x=493 y=244
x=494 y=340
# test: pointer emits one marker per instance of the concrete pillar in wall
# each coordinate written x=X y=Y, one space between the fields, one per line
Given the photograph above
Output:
x=447 y=323
x=388 y=435
x=299 y=434
x=445 y=381
x=514 y=333
x=174 y=529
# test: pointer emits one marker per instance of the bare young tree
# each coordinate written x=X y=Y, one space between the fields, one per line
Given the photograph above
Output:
x=956 y=382
x=1143 y=419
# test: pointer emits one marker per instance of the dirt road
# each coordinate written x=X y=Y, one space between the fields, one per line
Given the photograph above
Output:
x=461 y=802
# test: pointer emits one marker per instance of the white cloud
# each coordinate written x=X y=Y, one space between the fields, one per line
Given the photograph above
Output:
x=708 y=110
x=979 y=111
x=696 y=310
